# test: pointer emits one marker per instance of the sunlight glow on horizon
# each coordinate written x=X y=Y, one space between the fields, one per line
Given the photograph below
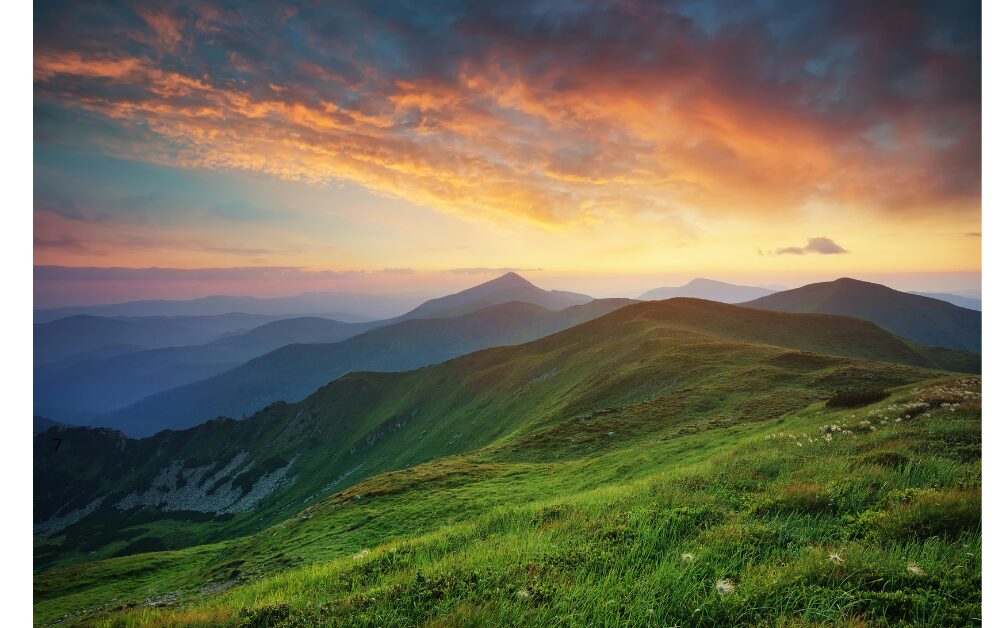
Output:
x=586 y=140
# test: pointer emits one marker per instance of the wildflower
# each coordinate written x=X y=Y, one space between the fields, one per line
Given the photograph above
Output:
x=915 y=569
x=798 y=443
x=362 y=554
x=898 y=420
x=523 y=595
x=725 y=586
x=828 y=437
x=688 y=558
x=836 y=559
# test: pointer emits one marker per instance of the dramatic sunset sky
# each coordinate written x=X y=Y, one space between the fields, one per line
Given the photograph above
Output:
x=599 y=146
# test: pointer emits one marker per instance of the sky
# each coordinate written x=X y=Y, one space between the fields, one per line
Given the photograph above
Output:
x=192 y=148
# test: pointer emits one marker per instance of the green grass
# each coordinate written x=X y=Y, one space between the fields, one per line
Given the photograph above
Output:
x=584 y=515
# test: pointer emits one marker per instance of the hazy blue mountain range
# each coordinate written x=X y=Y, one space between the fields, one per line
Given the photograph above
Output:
x=708 y=289
x=344 y=306
x=84 y=333
x=970 y=303
x=88 y=384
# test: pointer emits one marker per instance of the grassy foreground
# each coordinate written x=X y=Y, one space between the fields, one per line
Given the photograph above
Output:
x=865 y=516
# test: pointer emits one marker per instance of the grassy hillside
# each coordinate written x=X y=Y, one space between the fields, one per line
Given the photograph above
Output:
x=867 y=516
x=293 y=372
x=931 y=322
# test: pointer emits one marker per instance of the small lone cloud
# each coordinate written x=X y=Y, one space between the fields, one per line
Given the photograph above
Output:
x=823 y=246
x=974 y=234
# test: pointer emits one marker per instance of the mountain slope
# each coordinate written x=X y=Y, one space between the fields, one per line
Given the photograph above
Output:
x=642 y=370
x=503 y=289
x=814 y=517
x=78 y=389
x=708 y=289
x=294 y=371
x=922 y=319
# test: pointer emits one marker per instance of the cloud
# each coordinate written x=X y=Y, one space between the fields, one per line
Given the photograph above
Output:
x=823 y=246
x=44 y=273
x=397 y=271
x=551 y=114
x=490 y=271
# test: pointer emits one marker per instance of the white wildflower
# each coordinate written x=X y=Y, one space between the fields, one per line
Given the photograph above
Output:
x=725 y=586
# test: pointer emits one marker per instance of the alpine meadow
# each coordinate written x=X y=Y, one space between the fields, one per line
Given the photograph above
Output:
x=461 y=313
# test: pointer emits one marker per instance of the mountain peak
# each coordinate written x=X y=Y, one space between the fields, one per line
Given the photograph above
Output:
x=509 y=279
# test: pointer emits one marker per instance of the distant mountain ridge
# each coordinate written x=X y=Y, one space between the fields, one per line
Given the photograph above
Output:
x=294 y=371
x=84 y=333
x=968 y=303
x=504 y=289
x=708 y=289
x=926 y=320
x=79 y=388
x=345 y=306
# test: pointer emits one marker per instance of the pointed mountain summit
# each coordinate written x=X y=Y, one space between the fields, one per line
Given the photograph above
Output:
x=925 y=320
x=507 y=287
x=710 y=289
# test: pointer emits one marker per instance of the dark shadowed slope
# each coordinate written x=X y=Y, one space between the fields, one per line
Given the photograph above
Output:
x=76 y=389
x=642 y=371
x=509 y=287
x=294 y=371
x=708 y=289
x=922 y=319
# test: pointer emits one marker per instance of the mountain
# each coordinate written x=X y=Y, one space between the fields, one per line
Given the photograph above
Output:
x=922 y=319
x=293 y=372
x=42 y=424
x=503 y=289
x=955 y=299
x=708 y=289
x=623 y=394
x=81 y=334
x=91 y=384
x=344 y=306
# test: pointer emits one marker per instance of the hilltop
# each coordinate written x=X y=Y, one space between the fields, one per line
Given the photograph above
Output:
x=926 y=320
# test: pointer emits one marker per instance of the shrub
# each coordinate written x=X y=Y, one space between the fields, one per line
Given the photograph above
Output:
x=856 y=397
